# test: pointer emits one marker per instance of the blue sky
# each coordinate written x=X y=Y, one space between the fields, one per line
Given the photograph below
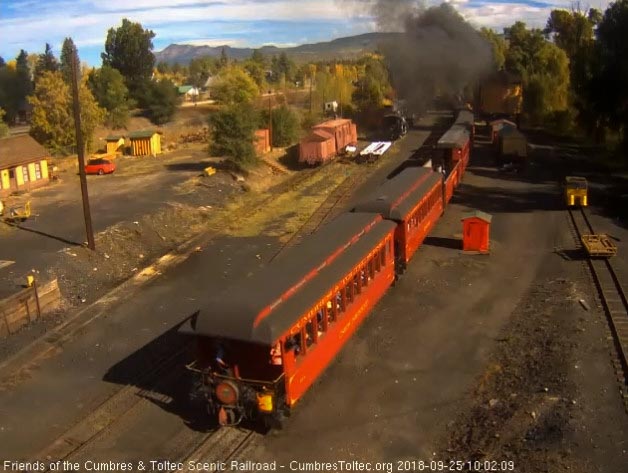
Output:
x=29 y=24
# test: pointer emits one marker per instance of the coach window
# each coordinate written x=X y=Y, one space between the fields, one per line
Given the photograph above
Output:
x=331 y=311
x=360 y=278
x=323 y=323
x=309 y=333
x=382 y=255
x=378 y=260
x=348 y=294
x=342 y=300
x=371 y=268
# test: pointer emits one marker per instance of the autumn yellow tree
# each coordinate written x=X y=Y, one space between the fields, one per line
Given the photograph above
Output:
x=52 y=122
x=234 y=85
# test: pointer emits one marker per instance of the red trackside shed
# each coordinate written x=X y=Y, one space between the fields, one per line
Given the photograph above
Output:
x=475 y=232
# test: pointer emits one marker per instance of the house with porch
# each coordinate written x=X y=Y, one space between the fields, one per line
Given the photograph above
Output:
x=23 y=164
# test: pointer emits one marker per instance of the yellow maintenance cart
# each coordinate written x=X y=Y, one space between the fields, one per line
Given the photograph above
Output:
x=599 y=246
x=576 y=189
x=15 y=214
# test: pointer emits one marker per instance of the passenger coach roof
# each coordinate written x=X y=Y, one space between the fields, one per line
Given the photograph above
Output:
x=455 y=137
x=464 y=117
x=396 y=197
x=283 y=287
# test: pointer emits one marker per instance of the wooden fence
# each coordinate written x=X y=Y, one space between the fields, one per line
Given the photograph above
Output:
x=27 y=306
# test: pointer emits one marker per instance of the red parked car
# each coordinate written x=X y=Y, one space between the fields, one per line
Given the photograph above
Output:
x=100 y=166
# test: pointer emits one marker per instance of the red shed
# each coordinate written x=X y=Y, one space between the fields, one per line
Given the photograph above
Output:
x=318 y=147
x=475 y=232
x=262 y=141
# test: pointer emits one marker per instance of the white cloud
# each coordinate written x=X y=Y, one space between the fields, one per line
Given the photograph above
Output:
x=214 y=42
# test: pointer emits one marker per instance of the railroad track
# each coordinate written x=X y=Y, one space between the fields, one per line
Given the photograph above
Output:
x=218 y=449
x=324 y=212
x=612 y=298
x=165 y=371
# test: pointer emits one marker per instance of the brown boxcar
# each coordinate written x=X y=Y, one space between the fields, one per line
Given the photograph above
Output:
x=317 y=148
x=343 y=130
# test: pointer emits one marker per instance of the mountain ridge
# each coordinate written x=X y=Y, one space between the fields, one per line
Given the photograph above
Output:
x=345 y=47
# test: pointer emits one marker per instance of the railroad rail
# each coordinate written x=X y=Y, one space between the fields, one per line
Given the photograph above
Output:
x=221 y=447
x=612 y=297
x=117 y=407
x=324 y=212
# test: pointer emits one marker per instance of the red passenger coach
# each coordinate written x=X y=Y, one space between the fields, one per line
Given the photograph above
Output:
x=414 y=200
x=456 y=146
x=264 y=341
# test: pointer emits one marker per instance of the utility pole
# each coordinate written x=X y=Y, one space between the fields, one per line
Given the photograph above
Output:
x=91 y=244
x=270 y=121
x=311 y=80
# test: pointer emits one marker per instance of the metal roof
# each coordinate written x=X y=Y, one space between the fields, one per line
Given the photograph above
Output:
x=337 y=122
x=143 y=134
x=479 y=214
x=262 y=307
x=455 y=137
x=21 y=149
x=465 y=117
x=396 y=197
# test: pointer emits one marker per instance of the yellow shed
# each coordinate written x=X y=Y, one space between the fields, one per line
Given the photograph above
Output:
x=115 y=144
x=145 y=143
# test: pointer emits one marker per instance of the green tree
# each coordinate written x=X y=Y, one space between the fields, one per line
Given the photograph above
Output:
x=46 y=62
x=233 y=131
x=4 y=129
x=52 y=122
x=199 y=70
x=544 y=69
x=68 y=54
x=2 y=63
x=128 y=49
x=161 y=101
x=107 y=86
x=610 y=92
x=234 y=85
x=256 y=70
x=283 y=68
x=258 y=57
x=573 y=32
x=285 y=125
x=9 y=99
x=499 y=46
x=224 y=59
x=373 y=85
x=163 y=67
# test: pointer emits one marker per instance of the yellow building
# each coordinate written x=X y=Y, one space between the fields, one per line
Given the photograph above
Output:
x=115 y=144
x=145 y=143
x=23 y=164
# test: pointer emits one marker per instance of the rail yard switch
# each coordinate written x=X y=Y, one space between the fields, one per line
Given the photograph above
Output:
x=475 y=232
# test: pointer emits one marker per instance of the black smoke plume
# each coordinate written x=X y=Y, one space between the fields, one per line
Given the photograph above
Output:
x=437 y=52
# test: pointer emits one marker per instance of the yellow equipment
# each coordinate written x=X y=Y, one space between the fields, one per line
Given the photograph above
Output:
x=265 y=402
x=599 y=245
x=576 y=190
x=16 y=213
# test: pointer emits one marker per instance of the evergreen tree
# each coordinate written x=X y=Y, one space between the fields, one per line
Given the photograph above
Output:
x=68 y=52
x=46 y=62
x=128 y=49
x=224 y=59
